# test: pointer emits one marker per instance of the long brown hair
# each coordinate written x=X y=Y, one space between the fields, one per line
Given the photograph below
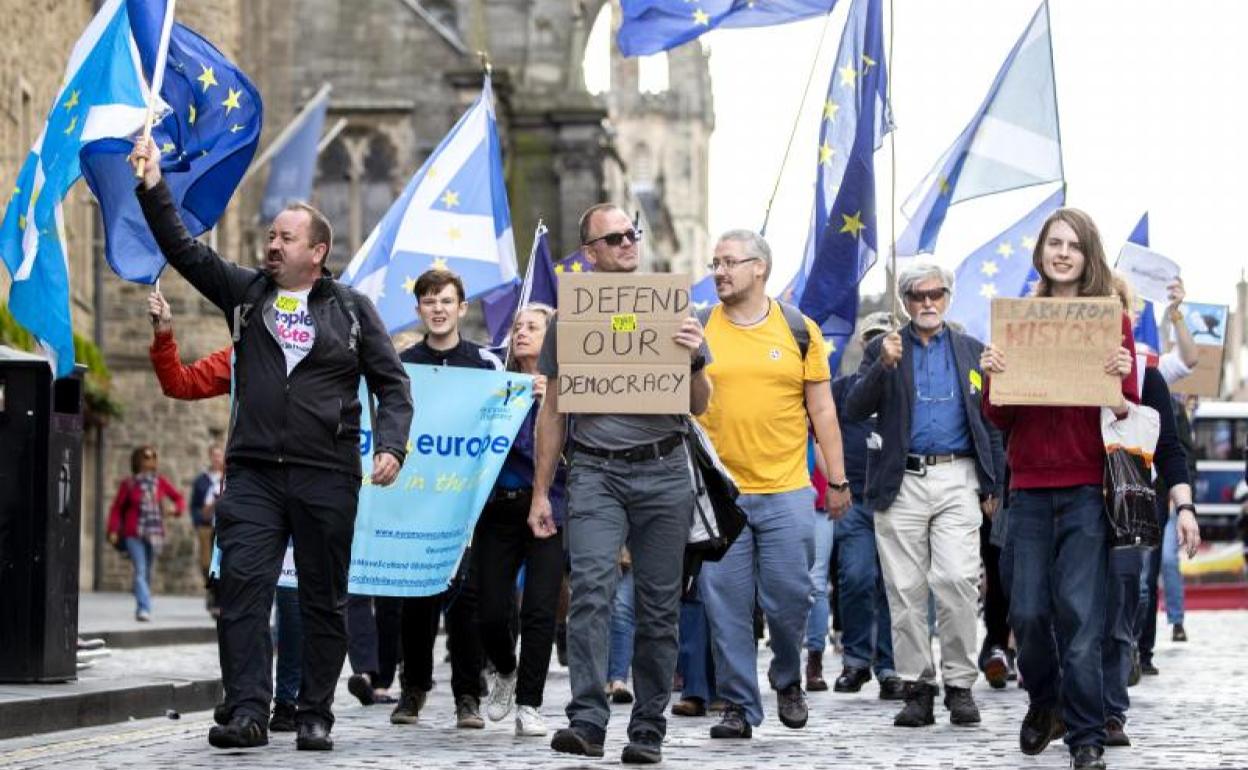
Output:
x=1097 y=279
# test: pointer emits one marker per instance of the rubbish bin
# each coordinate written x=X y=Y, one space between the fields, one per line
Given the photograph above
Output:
x=40 y=508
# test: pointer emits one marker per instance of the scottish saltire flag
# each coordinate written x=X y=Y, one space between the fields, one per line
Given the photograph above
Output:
x=1000 y=268
x=539 y=285
x=453 y=214
x=650 y=26
x=1013 y=141
x=104 y=94
x=843 y=241
x=293 y=167
x=206 y=141
x=1147 y=336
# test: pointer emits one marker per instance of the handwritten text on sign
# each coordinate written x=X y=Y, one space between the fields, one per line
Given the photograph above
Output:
x=1055 y=351
x=615 y=347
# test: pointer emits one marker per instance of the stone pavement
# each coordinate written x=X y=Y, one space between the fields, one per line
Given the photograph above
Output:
x=1190 y=717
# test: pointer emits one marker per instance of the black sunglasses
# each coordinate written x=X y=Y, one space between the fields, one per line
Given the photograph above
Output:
x=615 y=239
x=935 y=295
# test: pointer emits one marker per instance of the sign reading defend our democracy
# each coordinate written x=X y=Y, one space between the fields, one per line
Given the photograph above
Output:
x=1055 y=351
x=615 y=347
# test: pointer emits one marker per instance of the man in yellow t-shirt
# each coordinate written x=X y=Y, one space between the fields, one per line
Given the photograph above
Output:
x=765 y=392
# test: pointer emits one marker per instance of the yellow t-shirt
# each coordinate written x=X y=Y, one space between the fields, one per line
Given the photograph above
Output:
x=757 y=414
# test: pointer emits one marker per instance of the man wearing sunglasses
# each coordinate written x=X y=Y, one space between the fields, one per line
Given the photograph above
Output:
x=629 y=484
x=936 y=473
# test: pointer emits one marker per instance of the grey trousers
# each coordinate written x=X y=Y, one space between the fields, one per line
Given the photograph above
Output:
x=646 y=505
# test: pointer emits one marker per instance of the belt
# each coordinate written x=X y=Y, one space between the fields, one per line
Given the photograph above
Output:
x=919 y=462
x=634 y=454
x=509 y=495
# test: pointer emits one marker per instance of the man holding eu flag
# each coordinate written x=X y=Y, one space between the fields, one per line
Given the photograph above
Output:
x=301 y=342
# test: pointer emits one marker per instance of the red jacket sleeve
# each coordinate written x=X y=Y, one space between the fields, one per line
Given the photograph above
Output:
x=114 y=511
x=167 y=489
x=1130 y=383
x=206 y=378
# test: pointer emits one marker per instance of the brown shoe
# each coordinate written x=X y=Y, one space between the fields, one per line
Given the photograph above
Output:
x=814 y=671
x=689 y=707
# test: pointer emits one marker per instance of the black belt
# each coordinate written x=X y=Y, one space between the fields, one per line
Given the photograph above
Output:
x=510 y=495
x=917 y=463
x=634 y=454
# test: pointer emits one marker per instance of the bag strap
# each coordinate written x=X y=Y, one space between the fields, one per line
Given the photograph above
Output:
x=793 y=318
x=242 y=311
x=346 y=299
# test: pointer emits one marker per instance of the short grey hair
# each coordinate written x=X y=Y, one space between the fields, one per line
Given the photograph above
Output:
x=923 y=271
x=754 y=244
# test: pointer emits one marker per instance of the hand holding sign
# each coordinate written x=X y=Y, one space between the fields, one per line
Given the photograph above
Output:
x=689 y=335
x=1149 y=272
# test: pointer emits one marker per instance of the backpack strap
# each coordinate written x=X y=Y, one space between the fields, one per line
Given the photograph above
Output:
x=797 y=326
x=242 y=311
x=347 y=300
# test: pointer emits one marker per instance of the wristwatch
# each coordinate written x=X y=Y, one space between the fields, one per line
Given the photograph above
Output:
x=839 y=487
x=1185 y=507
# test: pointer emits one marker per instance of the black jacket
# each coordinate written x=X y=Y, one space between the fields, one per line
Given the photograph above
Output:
x=889 y=393
x=311 y=417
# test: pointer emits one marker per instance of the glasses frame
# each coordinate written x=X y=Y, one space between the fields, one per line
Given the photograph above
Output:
x=729 y=264
x=932 y=295
x=633 y=234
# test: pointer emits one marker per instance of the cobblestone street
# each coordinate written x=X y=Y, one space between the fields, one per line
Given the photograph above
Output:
x=1191 y=716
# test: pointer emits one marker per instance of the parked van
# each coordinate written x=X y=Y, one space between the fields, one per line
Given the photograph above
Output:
x=1221 y=430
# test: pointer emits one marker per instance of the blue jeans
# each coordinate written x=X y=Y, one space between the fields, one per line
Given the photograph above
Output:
x=289 y=631
x=866 y=627
x=1116 y=649
x=1057 y=603
x=141 y=557
x=772 y=556
x=817 y=622
x=695 y=662
x=1171 y=578
x=623 y=627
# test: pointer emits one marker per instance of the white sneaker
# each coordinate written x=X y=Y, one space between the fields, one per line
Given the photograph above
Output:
x=529 y=722
x=502 y=696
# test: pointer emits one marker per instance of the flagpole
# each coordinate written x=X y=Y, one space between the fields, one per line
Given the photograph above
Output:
x=526 y=286
x=158 y=80
x=892 y=169
x=331 y=135
x=278 y=144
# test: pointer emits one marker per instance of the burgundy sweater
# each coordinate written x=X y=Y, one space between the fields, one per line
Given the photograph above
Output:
x=1057 y=446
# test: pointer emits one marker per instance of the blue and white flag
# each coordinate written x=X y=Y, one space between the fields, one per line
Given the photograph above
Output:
x=1000 y=268
x=843 y=241
x=206 y=140
x=411 y=535
x=539 y=285
x=650 y=26
x=1013 y=141
x=104 y=94
x=293 y=168
x=453 y=215
x=1147 y=335
x=703 y=294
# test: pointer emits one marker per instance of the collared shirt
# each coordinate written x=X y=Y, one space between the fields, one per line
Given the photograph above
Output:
x=938 y=418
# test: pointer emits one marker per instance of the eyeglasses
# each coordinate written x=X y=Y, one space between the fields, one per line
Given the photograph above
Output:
x=932 y=295
x=728 y=264
x=615 y=239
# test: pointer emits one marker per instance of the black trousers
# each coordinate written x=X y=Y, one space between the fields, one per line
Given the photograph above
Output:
x=263 y=506
x=373 y=627
x=996 y=598
x=504 y=543
x=1146 y=611
x=421 y=616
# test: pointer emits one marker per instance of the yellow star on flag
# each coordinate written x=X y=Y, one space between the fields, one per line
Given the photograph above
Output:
x=73 y=123
x=1028 y=242
x=438 y=264
x=988 y=268
x=576 y=267
x=558 y=269
x=701 y=18
x=167 y=147
x=848 y=74
x=21 y=221
x=825 y=153
x=193 y=114
x=831 y=343
x=1005 y=249
x=207 y=78
x=830 y=109
x=944 y=186
x=234 y=129
x=867 y=63
x=409 y=284
x=72 y=101
x=231 y=101
x=454 y=234
x=450 y=199
x=853 y=225
x=988 y=291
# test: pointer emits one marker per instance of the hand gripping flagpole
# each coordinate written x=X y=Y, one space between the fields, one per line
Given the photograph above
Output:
x=158 y=80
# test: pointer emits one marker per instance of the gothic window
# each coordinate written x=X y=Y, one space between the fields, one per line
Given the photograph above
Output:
x=331 y=194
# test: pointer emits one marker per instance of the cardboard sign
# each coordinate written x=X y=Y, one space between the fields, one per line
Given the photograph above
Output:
x=1055 y=351
x=1207 y=323
x=615 y=347
x=1147 y=271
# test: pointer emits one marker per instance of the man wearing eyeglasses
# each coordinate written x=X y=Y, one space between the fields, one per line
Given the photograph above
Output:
x=767 y=387
x=629 y=483
x=935 y=475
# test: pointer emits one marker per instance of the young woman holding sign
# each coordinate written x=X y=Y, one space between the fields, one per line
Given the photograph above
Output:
x=1057 y=535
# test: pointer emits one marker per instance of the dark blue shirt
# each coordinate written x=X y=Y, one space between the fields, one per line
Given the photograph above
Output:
x=938 y=421
x=518 y=468
x=854 y=435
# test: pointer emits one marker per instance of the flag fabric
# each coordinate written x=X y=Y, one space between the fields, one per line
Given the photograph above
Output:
x=573 y=263
x=703 y=293
x=539 y=285
x=293 y=167
x=843 y=241
x=104 y=94
x=206 y=140
x=1012 y=141
x=1147 y=335
x=1000 y=268
x=650 y=26
x=453 y=214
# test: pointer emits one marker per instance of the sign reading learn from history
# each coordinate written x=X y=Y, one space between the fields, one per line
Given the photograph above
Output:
x=1055 y=351
x=615 y=347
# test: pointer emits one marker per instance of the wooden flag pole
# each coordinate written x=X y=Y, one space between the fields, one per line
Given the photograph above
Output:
x=158 y=80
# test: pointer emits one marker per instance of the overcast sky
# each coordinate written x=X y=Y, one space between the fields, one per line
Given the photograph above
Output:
x=1152 y=107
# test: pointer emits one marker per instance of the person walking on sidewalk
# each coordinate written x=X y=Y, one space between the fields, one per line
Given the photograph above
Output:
x=136 y=521
x=204 y=492
x=770 y=378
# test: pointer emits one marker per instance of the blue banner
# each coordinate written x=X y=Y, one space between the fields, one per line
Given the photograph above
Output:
x=411 y=535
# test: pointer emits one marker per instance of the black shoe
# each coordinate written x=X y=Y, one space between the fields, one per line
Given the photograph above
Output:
x=359 y=686
x=221 y=714
x=1087 y=758
x=996 y=668
x=313 y=736
x=892 y=688
x=791 y=707
x=1040 y=726
x=243 y=732
x=579 y=738
x=644 y=748
x=852 y=679
x=1148 y=669
x=918 y=709
x=283 y=719
x=407 y=712
x=1178 y=634
x=468 y=713
x=732 y=724
x=962 y=708
x=1115 y=735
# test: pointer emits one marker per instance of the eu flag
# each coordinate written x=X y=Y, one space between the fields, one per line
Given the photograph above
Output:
x=650 y=26
x=1147 y=336
x=843 y=241
x=539 y=285
x=206 y=141
x=293 y=168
